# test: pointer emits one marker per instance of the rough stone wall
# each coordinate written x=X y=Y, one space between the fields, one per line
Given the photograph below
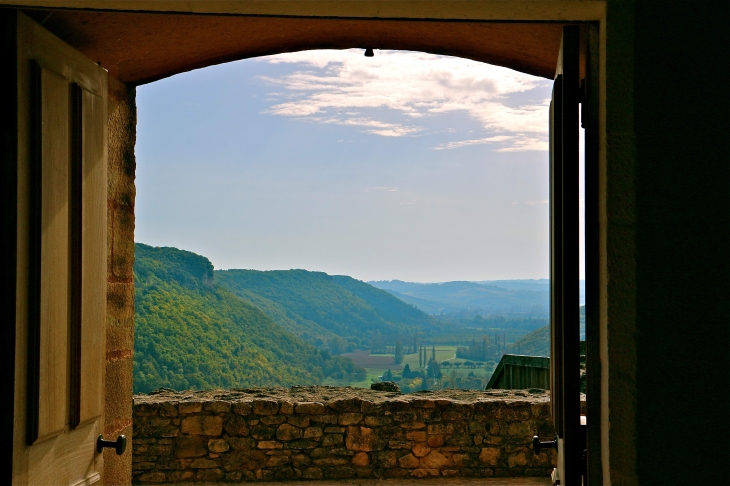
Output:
x=120 y=280
x=331 y=433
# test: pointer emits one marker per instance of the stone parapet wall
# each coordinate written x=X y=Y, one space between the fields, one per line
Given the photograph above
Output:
x=337 y=433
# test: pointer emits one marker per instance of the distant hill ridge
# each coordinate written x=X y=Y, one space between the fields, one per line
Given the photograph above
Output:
x=346 y=312
x=192 y=332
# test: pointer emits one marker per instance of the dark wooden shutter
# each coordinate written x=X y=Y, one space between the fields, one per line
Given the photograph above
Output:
x=564 y=261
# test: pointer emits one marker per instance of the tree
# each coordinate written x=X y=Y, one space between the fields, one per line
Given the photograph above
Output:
x=433 y=352
x=388 y=376
x=407 y=371
x=398 y=352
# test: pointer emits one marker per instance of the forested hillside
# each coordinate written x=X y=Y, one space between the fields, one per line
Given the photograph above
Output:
x=346 y=312
x=191 y=332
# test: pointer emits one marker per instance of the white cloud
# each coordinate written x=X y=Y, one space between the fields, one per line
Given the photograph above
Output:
x=333 y=85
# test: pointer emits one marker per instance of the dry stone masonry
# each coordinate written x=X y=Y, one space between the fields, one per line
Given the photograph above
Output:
x=337 y=433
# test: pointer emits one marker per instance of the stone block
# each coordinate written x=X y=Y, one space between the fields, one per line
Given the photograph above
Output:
x=300 y=460
x=288 y=432
x=338 y=472
x=312 y=473
x=400 y=444
x=265 y=407
x=242 y=408
x=361 y=459
x=309 y=408
x=298 y=420
x=209 y=475
x=436 y=440
x=235 y=425
x=202 y=425
x=334 y=430
x=408 y=461
x=324 y=419
x=363 y=439
x=217 y=406
x=517 y=460
x=277 y=461
x=350 y=418
x=332 y=439
x=250 y=460
x=218 y=445
x=190 y=407
x=239 y=443
x=203 y=463
x=287 y=408
x=269 y=444
x=313 y=433
x=168 y=410
x=180 y=476
x=190 y=447
x=301 y=444
x=419 y=449
x=435 y=460
x=346 y=405
x=273 y=420
x=416 y=436
x=263 y=432
x=153 y=477
x=377 y=421
x=489 y=456
x=331 y=461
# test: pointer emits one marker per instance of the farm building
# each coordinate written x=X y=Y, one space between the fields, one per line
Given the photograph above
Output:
x=515 y=372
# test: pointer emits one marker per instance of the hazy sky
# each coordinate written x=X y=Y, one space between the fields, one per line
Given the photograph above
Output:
x=402 y=166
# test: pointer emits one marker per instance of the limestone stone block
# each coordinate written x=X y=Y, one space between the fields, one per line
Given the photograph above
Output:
x=300 y=460
x=240 y=443
x=242 y=408
x=287 y=408
x=347 y=405
x=435 y=460
x=269 y=444
x=203 y=463
x=436 y=440
x=350 y=418
x=313 y=433
x=277 y=461
x=202 y=425
x=409 y=462
x=420 y=449
x=332 y=439
x=416 y=436
x=331 y=461
x=249 y=460
x=217 y=406
x=190 y=407
x=209 y=475
x=324 y=419
x=265 y=407
x=400 y=444
x=363 y=439
x=517 y=460
x=153 y=477
x=298 y=420
x=361 y=459
x=312 y=473
x=168 y=410
x=235 y=425
x=338 y=472
x=489 y=456
x=218 y=445
x=273 y=420
x=377 y=421
x=334 y=430
x=263 y=432
x=310 y=408
x=180 y=476
x=288 y=432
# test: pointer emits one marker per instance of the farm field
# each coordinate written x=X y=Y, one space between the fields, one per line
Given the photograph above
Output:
x=377 y=364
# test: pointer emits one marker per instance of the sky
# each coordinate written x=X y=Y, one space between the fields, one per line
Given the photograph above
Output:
x=405 y=166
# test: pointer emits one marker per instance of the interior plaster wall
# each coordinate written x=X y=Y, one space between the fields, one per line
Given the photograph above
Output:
x=120 y=278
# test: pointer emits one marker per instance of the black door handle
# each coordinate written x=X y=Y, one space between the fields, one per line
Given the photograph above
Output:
x=537 y=446
x=119 y=445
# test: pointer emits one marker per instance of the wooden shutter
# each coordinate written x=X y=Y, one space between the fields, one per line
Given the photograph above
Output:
x=564 y=263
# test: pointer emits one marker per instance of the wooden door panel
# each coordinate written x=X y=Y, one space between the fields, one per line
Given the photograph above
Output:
x=54 y=254
x=60 y=346
x=93 y=257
